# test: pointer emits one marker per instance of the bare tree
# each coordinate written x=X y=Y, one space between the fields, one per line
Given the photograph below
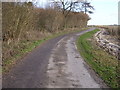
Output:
x=87 y=7
x=66 y=5
x=73 y=5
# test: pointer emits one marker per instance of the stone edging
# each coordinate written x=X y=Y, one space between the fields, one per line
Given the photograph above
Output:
x=108 y=46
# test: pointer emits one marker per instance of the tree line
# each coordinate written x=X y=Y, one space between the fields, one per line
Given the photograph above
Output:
x=23 y=21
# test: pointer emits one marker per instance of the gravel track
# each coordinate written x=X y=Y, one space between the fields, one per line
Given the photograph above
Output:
x=54 y=64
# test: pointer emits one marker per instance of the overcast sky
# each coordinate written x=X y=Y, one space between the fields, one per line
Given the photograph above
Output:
x=106 y=12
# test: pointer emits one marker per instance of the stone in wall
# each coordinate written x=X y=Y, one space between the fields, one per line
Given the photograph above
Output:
x=107 y=45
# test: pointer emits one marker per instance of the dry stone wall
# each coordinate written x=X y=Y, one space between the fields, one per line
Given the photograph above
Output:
x=107 y=45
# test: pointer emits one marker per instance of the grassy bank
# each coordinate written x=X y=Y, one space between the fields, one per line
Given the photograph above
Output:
x=27 y=46
x=103 y=63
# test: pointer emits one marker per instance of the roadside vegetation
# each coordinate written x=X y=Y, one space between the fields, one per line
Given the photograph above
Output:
x=27 y=46
x=103 y=63
x=113 y=31
x=26 y=26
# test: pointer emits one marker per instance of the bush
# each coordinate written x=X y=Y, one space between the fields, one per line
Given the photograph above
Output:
x=24 y=22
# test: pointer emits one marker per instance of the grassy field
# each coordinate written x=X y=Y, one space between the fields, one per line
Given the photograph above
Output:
x=103 y=63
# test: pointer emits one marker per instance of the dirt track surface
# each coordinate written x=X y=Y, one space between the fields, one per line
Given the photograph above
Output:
x=54 y=64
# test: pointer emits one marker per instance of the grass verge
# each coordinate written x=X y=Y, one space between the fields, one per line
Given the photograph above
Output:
x=103 y=63
x=26 y=47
